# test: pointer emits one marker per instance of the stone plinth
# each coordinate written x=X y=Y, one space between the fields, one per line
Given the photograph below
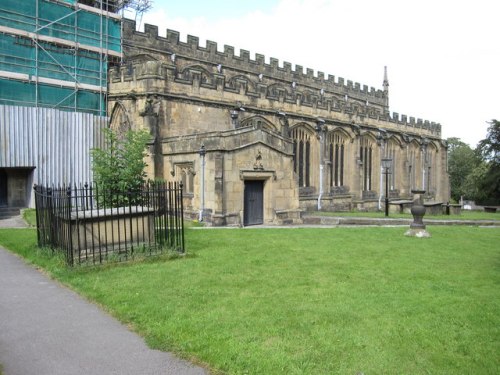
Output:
x=110 y=228
x=417 y=227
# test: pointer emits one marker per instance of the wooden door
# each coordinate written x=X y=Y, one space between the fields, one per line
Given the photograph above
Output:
x=253 y=210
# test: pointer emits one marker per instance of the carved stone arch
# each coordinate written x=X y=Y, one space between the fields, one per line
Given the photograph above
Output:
x=356 y=107
x=435 y=145
x=342 y=132
x=308 y=128
x=414 y=143
x=396 y=140
x=307 y=96
x=274 y=90
x=369 y=136
x=119 y=120
x=187 y=73
x=259 y=122
x=233 y=82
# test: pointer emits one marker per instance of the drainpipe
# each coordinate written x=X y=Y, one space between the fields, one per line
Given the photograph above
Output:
x=381 y=142
x=425 y=142
x=202 y=153
x=381 y=187
x=320 y=130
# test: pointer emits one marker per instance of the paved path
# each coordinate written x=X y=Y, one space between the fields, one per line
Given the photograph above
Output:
x=13 y=222
x=46 y=329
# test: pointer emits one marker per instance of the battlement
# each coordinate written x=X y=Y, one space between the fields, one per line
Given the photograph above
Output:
x=404 y=120
x=283 y=84
x=133 y=74
x=171 y=44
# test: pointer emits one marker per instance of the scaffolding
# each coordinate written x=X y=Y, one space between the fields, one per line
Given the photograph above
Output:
x=56 y=53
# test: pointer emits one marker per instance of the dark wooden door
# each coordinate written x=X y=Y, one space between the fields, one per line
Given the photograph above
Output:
x=253 y=210
x=3 y=187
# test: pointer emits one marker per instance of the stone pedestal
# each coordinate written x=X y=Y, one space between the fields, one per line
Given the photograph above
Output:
x=417 y=227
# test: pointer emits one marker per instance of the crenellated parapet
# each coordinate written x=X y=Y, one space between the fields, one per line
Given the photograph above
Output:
x=171 y=45
x=138 y=75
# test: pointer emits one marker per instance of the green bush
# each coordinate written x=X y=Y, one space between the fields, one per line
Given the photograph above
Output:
x=119 y=168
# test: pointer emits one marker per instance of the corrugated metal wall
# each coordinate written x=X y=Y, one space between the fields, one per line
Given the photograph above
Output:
x=56 y=143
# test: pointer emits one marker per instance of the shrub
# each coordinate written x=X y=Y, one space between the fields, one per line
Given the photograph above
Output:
x=118 y=168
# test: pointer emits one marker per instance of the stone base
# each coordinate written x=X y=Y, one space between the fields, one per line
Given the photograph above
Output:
x=286 y=217
x=420 y=233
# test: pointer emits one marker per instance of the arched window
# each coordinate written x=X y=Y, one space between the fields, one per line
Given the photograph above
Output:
x=430 y=180
x=186 y=173
x=302 y=155
x=413 y=150
x=390 y=152
x=365 y=154
x=336 y=148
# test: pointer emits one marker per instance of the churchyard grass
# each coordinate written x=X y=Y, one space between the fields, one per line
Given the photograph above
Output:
x=309 y=300
x=464 y=215
x=29 y=215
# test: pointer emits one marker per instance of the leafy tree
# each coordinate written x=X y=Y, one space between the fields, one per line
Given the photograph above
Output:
x=119 y=168
x=489 y=148
x=471 y=187
x=462 y=162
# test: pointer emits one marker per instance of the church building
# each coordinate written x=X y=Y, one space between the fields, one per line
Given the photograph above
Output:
x=258 y=143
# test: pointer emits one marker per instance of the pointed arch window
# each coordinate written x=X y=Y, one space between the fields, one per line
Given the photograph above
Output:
x=390 y=153
x=302 y=156
x=336 y=150
x=185 y=172
x=430 y=170
x=365 y=154
x=412 y=167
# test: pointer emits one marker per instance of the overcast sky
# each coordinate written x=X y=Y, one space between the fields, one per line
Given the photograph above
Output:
x=442 y=56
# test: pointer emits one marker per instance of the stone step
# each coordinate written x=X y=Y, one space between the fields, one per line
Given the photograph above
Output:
x=7 y=212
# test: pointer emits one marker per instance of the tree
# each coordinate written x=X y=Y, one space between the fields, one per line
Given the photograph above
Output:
x=119 y=167
x=489 y=148
x=462 y=162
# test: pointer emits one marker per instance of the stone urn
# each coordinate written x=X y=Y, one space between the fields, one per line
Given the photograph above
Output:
x=417 y=227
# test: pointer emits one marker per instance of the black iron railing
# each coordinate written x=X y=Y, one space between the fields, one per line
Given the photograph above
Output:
x=91 y=225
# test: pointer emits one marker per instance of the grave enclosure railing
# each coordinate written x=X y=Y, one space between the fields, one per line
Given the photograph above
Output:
x=91 y=225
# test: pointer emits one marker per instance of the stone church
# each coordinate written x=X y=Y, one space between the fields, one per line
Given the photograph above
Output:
x=257 y=143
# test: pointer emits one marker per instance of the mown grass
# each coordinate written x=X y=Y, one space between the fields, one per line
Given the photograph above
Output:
x=29 y=215
x=310 y=301
x=465 y=215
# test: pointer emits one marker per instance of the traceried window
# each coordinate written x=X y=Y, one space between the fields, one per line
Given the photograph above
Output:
x=430 y=180
x=185 y=172
x=336 y=150
x=365 y=154
x=390 y=152
x=412 y=166
x=302 y=155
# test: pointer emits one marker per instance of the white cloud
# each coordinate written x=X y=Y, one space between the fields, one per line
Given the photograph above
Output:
x=441 y=55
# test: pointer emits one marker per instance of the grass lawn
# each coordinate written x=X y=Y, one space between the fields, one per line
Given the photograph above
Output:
x=29 y=215
x=308 y=300
x=465 y=215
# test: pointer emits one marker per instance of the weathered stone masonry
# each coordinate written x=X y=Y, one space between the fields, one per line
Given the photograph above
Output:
x=277 y=140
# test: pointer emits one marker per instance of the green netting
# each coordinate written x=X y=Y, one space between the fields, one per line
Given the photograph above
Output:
x=18 y=55
x=24 y=93
x=82 y=26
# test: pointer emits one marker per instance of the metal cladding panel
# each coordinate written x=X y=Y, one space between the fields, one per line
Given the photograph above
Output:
x=56 y=143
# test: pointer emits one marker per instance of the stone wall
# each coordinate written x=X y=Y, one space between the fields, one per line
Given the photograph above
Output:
x=245 y=112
